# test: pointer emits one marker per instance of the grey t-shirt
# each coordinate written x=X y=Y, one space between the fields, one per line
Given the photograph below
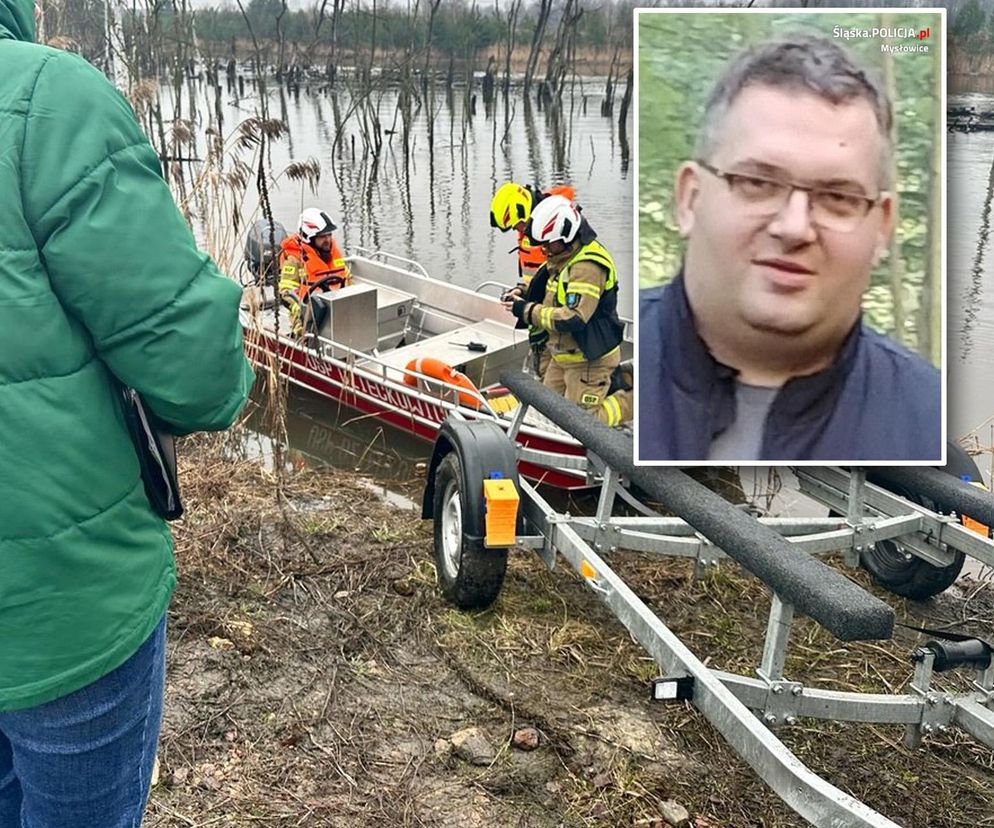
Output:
x=743 y=439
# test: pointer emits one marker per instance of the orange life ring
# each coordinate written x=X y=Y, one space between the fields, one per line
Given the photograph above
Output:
x=436 y=369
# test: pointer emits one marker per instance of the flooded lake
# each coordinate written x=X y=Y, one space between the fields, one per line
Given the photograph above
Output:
x=970 y=276
x=431 y=203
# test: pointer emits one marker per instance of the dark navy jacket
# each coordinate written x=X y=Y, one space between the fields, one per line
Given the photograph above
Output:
x=878 y=401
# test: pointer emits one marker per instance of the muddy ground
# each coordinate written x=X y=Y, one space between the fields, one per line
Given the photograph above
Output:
x=316 y=678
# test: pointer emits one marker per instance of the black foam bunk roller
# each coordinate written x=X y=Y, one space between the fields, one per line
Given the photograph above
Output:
x=841 y=606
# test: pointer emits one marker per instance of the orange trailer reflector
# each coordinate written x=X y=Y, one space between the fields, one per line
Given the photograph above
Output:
x=975 y=525
x=502 y=512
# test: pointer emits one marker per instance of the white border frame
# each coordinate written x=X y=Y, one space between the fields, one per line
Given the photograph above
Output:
x=940 y=125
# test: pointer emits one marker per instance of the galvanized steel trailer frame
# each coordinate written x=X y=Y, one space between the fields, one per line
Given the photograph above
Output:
x=743 y=708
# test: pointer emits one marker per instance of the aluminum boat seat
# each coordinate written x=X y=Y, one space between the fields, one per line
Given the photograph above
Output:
x=506 y=347
x=393 y=312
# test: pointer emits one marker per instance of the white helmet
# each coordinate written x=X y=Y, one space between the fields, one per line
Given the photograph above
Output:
x=554 y=218
x=315 y=222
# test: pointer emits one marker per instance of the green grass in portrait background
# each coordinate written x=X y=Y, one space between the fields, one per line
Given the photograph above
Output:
x=681 y=55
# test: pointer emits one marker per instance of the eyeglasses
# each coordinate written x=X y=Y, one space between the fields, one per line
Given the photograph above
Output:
x=764 y=197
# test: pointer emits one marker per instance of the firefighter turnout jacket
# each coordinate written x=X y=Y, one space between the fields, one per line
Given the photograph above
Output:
x=579 y=308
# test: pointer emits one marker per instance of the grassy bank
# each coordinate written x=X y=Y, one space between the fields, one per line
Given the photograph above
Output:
x=316 y=677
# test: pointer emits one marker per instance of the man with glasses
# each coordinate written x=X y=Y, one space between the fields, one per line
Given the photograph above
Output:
x=756 y=350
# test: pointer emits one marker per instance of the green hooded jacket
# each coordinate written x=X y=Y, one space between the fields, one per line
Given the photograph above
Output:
x=99 y=275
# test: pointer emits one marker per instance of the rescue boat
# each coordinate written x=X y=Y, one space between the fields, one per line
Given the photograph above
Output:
x=409 y=350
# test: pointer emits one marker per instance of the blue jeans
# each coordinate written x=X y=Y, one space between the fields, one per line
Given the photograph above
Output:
x=85 y=760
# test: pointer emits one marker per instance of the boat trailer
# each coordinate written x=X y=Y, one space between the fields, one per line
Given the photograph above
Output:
x=902 y=524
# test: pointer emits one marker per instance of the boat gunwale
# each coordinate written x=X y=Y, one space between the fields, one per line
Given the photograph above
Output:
x=346 y=366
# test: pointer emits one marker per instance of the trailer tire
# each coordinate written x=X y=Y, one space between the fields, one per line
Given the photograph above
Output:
x=906 y=574
x=469 y=573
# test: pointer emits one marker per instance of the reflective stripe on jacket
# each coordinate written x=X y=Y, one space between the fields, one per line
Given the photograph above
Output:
x=580 y=305
x=591 y=252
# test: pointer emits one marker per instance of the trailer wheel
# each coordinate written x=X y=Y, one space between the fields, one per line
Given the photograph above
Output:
x=469 y=573
x=900 y=571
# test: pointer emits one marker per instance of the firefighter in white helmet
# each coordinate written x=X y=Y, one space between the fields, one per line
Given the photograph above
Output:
x=310 y=261
x=579 y=309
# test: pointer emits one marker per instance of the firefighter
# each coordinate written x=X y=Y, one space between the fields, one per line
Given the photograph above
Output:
x=578 y=309
x=310 y=261
x=511 y=208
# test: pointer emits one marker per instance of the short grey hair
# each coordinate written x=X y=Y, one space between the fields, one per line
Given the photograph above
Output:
x=801 y=62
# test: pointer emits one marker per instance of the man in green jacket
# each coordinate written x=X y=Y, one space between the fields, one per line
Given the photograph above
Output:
x=89 y=296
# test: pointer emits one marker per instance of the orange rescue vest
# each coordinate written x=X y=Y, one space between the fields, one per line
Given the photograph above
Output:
x=316 y=267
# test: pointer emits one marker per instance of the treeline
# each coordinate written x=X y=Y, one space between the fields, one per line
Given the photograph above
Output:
x=458 y=25
x=461 y=29
x=973 y=27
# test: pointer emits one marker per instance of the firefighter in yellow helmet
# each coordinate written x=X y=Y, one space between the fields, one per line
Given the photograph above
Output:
x=511 y=208
x=578 y=308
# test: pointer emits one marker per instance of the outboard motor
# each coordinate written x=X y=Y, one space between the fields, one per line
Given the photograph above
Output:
x=261 y=258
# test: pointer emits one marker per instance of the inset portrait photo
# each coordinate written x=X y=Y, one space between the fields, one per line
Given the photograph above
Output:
x=790 y=215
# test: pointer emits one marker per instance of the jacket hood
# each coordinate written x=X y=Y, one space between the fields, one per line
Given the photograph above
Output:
x=291 y=245
x=17 y=20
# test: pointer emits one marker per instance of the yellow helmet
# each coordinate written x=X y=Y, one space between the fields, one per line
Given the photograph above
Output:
x=511 y=204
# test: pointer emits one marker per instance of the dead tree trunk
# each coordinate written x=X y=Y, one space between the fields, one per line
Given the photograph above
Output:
x=626 y=100
x=281 y=41
x=489 y=81
x=607 y=106
x=555 y=75
x=545 y=7
x=256 y=51
x=432 y=11
x=319 y=19
x=512 y=30
x=331 y=70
